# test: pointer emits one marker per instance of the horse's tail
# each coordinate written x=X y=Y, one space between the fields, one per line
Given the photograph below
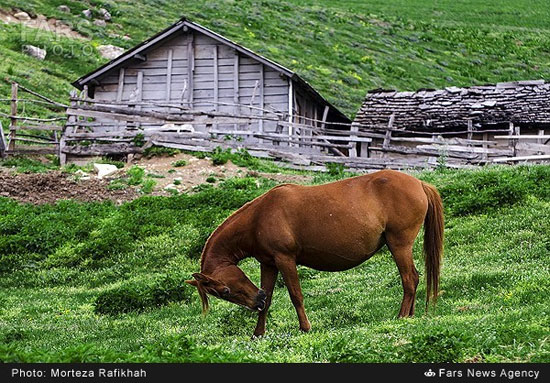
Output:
x=433 y=242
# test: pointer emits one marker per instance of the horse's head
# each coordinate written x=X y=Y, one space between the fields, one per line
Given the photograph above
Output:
x=231 y=284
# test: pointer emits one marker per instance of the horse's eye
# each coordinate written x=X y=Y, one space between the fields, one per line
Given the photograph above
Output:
x=225 y=291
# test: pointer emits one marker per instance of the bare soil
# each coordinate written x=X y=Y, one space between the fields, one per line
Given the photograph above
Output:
x=43 y=23
x=39 y=188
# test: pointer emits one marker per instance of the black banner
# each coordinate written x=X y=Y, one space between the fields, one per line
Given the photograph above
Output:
x=73 y=372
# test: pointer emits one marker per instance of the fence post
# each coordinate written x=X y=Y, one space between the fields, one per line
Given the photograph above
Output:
x=2 y=142
x=13 y=114
x=69 y=125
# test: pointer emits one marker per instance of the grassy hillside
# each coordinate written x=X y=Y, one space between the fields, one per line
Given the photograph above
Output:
x=95 y=282
x=343 y=48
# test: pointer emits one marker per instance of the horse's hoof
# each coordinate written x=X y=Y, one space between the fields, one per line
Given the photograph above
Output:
x=306 y=328
x=257 y=336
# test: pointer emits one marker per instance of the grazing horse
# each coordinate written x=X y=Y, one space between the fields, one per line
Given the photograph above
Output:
x=331 y=227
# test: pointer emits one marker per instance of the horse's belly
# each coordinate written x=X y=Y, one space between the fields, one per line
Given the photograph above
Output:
x=337 y=259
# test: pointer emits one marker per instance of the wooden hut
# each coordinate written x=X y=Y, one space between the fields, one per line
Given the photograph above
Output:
x=189 y=66
x=491 y=123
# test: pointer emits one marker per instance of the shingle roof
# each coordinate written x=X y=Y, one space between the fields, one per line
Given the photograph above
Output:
x=520 y=102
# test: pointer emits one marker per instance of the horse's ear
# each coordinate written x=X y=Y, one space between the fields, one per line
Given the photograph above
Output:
x=192 y=283
x=201 y=278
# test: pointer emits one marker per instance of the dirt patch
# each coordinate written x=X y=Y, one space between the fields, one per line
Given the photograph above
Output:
x=39 y=188
x=201 y=170
x=43 y=23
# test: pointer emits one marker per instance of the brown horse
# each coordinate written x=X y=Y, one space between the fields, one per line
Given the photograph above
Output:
x=330 y=227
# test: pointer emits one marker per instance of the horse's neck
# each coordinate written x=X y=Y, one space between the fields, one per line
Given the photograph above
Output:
x=223 y=248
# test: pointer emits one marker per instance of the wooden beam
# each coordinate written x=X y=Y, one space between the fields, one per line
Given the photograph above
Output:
x=13 y=114
x=190 y=68
x=169 y=75
x=262 y=97
x=216 y=77
x=236 y=85
x=523 y=158
x=120 y=88
x=290 y=105
x=3 y=143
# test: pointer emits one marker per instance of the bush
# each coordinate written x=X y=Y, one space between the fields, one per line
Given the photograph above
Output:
x=179 y=163
x=141 y=295
x=135 y=175
x=220 y=156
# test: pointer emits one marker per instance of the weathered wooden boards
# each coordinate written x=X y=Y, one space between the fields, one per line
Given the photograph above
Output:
x=33 y=142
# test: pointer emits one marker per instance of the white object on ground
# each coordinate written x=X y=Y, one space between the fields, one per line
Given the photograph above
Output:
x=104 y=170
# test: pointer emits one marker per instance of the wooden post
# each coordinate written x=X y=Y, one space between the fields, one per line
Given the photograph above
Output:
x=262 y=99
x=13 y=114
x=71 y=120
x=470 y=131
x=236 y=86
x=353 y=151
x=120 y=88
x=190 y=68
x=169 y=75
x=216 y=70
x=3 y=144
x=139 y=92
x=485 y=146
x=290 y=106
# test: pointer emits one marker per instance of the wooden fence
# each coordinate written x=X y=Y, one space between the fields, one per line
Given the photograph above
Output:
x=31 y=135
x=97 y=128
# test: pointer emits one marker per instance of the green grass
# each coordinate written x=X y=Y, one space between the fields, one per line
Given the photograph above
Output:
x=343 y=48
x=97 y=282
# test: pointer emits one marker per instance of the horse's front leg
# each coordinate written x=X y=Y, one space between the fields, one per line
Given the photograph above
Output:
x=287 y=267
x=268 y=279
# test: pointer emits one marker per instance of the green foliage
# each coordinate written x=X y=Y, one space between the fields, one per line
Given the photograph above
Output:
x=115 y=276
x=29 y=165
x=142 y=294
x=211 y=179
x=179 y=163
x=135 y=175
x=335 y=169
x=139 y=140
x=220 y=156
x=147 y=186
x=487 y=189
x=160 y=151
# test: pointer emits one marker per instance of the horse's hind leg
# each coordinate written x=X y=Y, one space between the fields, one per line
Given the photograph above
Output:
x=401 y=246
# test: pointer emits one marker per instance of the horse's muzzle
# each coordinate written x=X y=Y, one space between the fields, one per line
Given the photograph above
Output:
x=259 y=305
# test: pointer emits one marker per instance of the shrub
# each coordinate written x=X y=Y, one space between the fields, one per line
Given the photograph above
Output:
x=220 y=156
x=160 y=151
x=444 y=346
x=147 y=186
x=135 y=175
x=179 y=163
x=335 y=169
x=140 y=295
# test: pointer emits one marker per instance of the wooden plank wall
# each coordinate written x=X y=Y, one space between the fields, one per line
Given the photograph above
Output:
x=194 y=69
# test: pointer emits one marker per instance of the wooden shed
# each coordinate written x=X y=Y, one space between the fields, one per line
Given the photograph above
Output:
x=501 y=122
x=190 y=66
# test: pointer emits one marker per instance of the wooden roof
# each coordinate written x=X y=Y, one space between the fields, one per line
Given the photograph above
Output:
x=183 y=25
x=520 y=102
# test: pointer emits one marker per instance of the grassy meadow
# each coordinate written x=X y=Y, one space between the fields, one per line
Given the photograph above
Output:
x=343 y=48
x=95 y=282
